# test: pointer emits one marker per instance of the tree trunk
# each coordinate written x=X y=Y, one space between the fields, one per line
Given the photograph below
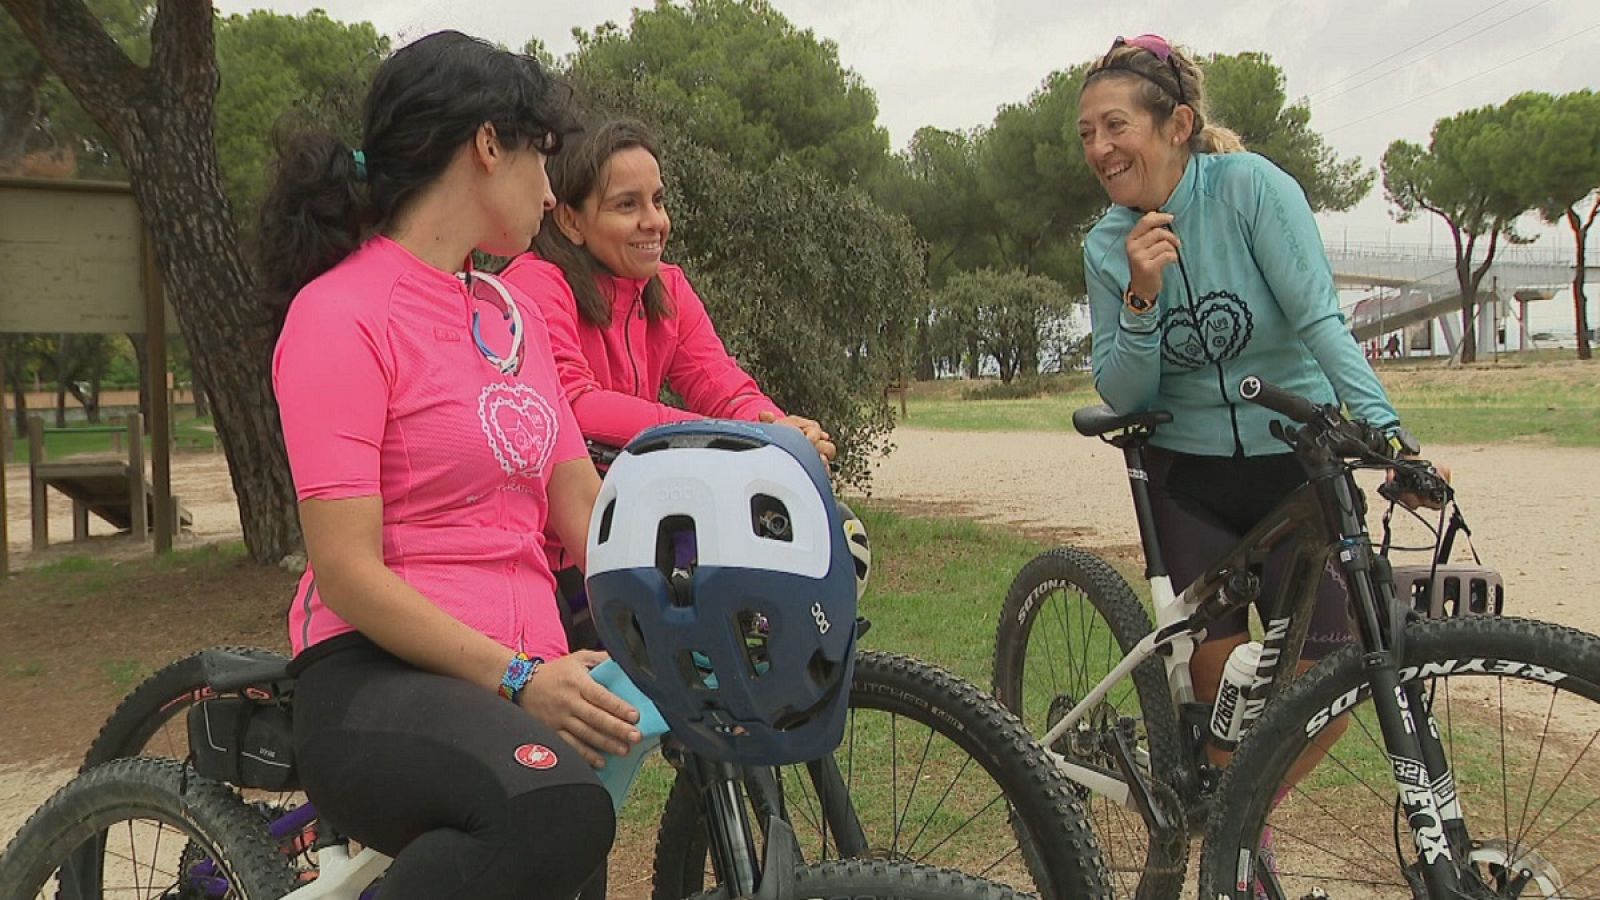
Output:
x=19 y=410
x=163 y=119
x=1580 y=313
x=1469 y=302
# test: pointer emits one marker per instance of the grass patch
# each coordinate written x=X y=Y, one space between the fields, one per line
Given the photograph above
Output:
x=190 y=433
x=1557 y=402
x=123 y=674
x=937 y=585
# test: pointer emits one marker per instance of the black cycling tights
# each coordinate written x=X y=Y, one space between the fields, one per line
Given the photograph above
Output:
x=1203 y=505
x=471 y=795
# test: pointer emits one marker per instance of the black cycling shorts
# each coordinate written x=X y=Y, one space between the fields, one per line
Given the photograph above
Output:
x=1203 y=505
x=471 y=795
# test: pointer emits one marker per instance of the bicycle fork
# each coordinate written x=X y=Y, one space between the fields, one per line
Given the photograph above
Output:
x=1425 y=785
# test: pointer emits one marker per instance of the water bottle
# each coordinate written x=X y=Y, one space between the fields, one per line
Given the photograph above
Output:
x=1233 y=690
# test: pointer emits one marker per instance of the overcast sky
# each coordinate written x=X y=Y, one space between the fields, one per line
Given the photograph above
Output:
x=1375 y=70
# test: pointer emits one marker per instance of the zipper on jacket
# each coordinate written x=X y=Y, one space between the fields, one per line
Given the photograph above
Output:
x=1222 y=381
x=627 y=339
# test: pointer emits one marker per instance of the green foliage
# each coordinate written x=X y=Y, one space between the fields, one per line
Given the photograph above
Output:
x=1562 y=173
x=1039 y=189
x=935 y=185
x=747 y=82
x=1012 y=317
x=309 y=68
x=1245 y=92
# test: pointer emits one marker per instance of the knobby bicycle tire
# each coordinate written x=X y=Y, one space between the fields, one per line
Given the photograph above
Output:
x=157 y=701
x=1049 y=652
x=1492 y=686
x=1054 y=847
x=214 y=822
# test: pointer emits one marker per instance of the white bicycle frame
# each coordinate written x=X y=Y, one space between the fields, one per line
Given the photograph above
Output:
x=1171 y=610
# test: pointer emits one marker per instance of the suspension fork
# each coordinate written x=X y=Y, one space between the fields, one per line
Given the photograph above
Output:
x=1416 y=756
x=733 y=845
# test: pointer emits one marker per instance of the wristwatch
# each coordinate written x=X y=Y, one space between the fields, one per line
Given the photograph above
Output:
x=1138 y=304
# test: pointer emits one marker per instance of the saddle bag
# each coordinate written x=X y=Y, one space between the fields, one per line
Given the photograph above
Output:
x=244 y=742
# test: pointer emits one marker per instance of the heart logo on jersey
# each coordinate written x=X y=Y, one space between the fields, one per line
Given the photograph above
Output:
x=521 y=427
x=536 y=756
x=1218 y=331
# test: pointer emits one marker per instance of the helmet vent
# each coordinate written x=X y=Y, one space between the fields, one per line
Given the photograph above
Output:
x=675 y=557
x=633 y=640
x=755 y=631
x=696 y=670
x=769 y=518
x=605 y=521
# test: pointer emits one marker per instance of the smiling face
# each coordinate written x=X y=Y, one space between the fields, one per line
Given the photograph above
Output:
x=1138 y=161
x=623 y=222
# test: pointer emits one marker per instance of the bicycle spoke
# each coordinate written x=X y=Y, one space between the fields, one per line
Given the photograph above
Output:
x=1527 y=799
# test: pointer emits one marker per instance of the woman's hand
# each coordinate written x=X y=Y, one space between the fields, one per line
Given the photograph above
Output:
x=582 y=712
x=819 y=439
x=1151 y=247
x=1413 y=500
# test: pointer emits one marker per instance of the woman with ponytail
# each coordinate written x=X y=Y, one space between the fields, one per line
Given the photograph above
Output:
x=431 y=444
x=1208 y=268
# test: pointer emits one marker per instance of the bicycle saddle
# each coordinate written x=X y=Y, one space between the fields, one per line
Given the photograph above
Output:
x=229 y=669
x=1094 y=421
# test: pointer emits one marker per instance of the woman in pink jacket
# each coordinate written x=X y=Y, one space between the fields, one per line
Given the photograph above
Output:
x=622 y=322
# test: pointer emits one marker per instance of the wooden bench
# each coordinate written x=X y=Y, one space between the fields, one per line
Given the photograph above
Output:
x=110 y=487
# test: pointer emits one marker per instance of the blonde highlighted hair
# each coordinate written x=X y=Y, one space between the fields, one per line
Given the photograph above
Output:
x=1160 y=85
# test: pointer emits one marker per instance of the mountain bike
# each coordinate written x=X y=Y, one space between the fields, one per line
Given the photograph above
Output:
x=1399 y=806
x=150 y=827
x=951 y=778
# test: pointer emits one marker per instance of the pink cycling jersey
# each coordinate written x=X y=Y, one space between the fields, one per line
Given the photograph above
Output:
x=383 y=391
x=613 y=375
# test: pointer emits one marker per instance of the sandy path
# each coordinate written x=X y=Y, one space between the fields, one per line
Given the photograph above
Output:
x=1534 y=511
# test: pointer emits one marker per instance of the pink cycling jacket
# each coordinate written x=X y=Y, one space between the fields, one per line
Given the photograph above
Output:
x=383 y=392
x=613 y=375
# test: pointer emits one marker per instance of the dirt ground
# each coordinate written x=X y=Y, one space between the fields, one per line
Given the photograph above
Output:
x=1532 y=507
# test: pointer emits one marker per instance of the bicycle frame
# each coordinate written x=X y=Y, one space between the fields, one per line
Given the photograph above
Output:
x=1325 y=519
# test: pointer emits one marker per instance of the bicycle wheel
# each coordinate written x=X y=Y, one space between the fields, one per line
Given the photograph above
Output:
x=152 y=829
x=1068 y=619
x=859 y=879
x=1517 y=708
x=150 y=720
x=938 y=773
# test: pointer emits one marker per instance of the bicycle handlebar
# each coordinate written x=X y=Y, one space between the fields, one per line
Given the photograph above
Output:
x=1292 y=406
x=1324 y=425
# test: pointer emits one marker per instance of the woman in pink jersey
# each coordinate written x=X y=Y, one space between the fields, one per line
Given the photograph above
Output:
x=622 y=322
x=431 y=445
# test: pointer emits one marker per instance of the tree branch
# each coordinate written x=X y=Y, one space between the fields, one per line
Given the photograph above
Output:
x=76 y=46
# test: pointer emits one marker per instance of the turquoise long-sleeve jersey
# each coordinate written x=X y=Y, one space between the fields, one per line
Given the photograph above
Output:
x=1253 y=294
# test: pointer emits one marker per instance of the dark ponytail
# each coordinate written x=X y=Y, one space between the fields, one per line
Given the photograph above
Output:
x=426 y=101
x=313 y=216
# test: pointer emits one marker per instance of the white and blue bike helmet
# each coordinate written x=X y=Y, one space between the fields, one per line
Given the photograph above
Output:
x=723 y=583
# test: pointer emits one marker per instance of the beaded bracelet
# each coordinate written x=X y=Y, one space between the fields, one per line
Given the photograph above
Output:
x=519 y=671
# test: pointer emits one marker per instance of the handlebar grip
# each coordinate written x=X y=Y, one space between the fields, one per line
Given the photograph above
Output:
x=1261 y=393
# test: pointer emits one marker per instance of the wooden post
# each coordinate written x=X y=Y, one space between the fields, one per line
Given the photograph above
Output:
x=80 y=520
x=139 y=523
x=36 y=485
x=155 y=330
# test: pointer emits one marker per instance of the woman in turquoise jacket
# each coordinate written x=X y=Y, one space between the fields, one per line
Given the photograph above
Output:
x=1207 y=268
